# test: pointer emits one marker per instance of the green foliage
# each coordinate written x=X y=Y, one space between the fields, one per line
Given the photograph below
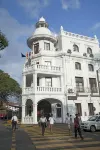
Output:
x=8 y=86
x=3 y=41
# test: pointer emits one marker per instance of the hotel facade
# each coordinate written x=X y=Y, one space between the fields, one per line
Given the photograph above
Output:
x=60 y=75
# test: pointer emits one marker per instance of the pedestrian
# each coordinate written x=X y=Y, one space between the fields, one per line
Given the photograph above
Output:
x=68 y=122
x=43 y=123
x=14 y=121
x=51 y=122
x=77 y=127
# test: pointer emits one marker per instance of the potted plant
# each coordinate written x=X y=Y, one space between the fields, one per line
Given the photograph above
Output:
x=69 y=51
x=91 y=55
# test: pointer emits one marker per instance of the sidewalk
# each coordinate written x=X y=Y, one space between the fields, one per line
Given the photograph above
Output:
x=18 y=140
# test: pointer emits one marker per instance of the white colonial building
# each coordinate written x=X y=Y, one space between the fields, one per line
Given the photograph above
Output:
x=60 y=75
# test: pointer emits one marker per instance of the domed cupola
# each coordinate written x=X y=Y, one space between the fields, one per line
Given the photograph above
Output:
x=41 y=33
x=41 y=23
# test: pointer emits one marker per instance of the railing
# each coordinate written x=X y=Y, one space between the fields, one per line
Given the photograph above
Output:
x=83 y=90
x=28 y=90
x=48 y=89
x=52 y=68
x=42 y=68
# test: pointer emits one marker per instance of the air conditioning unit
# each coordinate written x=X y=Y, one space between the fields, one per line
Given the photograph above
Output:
x=91 y=55
x=69 y=51
x=84 y=54
x=70 y=90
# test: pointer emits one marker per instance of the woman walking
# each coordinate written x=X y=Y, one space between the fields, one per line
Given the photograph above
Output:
x=43 y=123
x=77 y=127
x=51 y=122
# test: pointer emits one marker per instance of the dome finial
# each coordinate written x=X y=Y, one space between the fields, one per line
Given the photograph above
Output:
x=42 y=19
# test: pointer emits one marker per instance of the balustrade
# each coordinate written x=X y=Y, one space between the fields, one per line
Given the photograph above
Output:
x=48 y=89
x=42 y=68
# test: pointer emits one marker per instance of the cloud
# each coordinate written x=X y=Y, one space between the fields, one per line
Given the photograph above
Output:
x=16 y=33
x=66 y=4
x=33 y=7
x=96 y=26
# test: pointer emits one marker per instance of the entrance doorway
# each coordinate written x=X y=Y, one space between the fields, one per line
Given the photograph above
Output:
x=44 y=107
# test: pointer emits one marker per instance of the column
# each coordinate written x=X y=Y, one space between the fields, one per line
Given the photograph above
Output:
x=24 y=84
x=35 y=82
x=63 y=112
x=35 y=113
x=23 y=113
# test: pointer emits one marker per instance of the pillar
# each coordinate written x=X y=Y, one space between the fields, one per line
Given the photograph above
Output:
x=35 y=82
x=23 y=113
x=24 y=84
x=35 y=113
x=63 y=113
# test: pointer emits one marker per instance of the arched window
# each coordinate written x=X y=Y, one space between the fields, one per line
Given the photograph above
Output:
x=77 y=66
x=75 y=48
x=90 y=67
x=58 y=110
x=89 y=50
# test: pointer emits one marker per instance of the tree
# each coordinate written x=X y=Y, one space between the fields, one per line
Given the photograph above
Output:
x=8 y=87
x=3 y=41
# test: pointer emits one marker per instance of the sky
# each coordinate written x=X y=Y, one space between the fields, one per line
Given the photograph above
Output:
x=18 y=18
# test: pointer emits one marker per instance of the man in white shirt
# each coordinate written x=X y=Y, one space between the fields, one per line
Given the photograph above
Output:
x=43 y=122
x=14 y=121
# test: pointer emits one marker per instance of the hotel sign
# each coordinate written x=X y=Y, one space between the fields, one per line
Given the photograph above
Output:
x=72 y=97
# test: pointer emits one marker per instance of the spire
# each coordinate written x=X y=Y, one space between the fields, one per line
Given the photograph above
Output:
x=42 y=19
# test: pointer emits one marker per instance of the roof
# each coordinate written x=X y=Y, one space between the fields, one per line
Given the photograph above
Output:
x=42 y=31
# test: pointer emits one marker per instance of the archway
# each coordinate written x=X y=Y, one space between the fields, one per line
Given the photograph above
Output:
x=44 y=107
x=29 y=107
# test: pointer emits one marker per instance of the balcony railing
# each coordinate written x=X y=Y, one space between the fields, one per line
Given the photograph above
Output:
x=83 y=90
x=48 y=89
x=52 y=68
x=42 y=68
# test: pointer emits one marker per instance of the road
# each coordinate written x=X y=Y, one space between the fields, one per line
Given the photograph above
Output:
x=29 y=138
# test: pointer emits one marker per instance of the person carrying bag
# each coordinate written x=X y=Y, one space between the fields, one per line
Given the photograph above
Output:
x=43 y=124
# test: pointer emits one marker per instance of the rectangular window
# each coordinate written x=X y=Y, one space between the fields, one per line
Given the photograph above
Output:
x=36 y=48
x=79 y=84
x=48 y=82
x=91 y=111
x=48 y=63
x=46 y=46
x=38 y=84
x=93 y=85
x=78 y=108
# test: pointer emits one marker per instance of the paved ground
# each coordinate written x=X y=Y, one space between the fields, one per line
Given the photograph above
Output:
x=29 y=138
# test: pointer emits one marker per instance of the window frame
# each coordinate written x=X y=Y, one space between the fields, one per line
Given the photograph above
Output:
x=79 y=84
x=90 y=67
x=58 y=108
x=89 y=50
x=47 y=85
x=90 y=108
x=77 y=66
x=93 y=85
x=36 y=48
x=45 y=46
x=79 y=108
x=75 y=48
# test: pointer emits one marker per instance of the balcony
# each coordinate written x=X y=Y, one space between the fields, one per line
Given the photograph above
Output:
x=43 y=68
x=40 y=89
x=83 y=91
x=49 y=89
